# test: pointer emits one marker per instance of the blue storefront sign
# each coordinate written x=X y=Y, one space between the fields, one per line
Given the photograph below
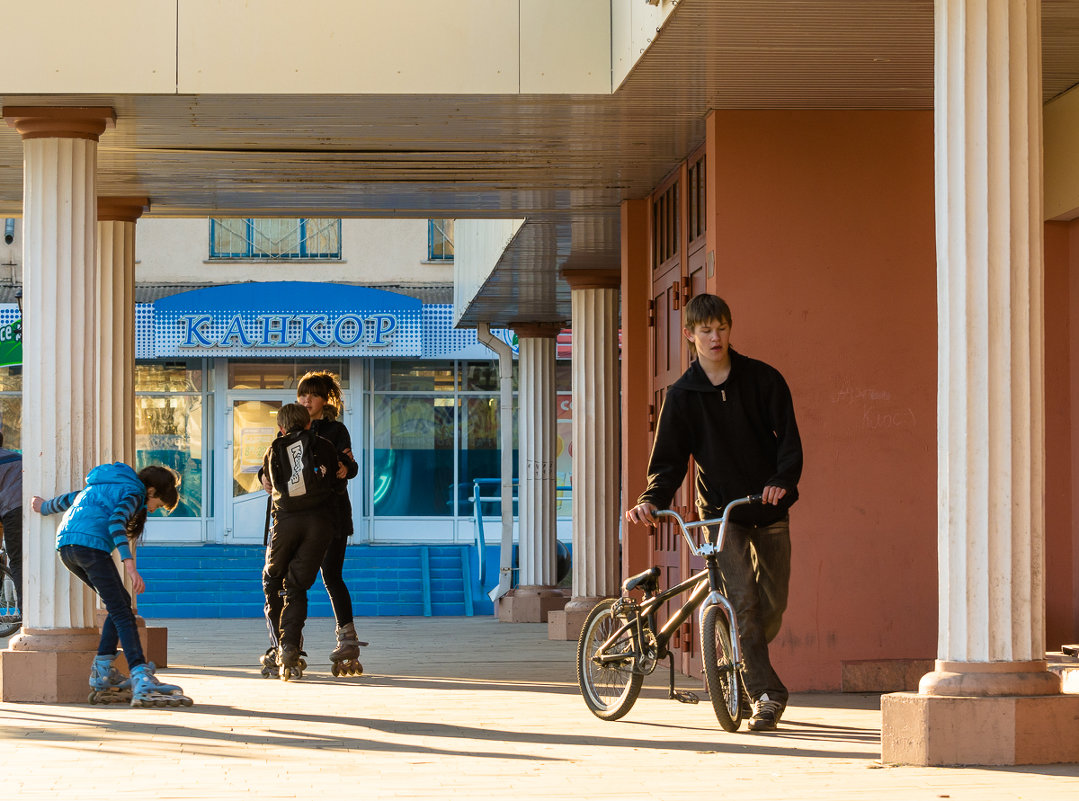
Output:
x=288 y=318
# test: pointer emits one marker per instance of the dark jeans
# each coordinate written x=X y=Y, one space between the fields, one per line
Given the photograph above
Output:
x=332 y=569
x=97 y=570
x=12 y=522
x=755 y=566
x=297 y=548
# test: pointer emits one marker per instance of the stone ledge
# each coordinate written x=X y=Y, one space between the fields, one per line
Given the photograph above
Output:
x=1000 y=730
x=883 y=675
x=45 y=677
x=565 y=624
x=529 y=604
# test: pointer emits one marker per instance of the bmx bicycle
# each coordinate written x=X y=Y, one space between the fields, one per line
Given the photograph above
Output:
x=620 y=642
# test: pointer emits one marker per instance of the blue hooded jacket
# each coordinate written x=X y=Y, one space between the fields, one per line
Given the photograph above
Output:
x=97 y=516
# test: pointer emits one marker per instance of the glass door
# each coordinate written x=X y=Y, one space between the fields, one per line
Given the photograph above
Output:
x=251 y=428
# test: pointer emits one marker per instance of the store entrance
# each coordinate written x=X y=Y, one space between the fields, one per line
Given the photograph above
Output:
x=251 y=427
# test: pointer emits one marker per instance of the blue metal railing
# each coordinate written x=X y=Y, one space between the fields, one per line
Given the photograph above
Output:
x=478 y=499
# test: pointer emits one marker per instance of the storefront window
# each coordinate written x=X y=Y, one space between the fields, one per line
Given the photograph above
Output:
x=483 y=376
x=480 y=454
x=282 y=373
x=168 y=425
x=413 y=447
x=413 y=376
x=11 y=406
x=169 y=376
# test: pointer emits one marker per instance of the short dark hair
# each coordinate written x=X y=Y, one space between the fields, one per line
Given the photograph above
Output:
x=293 y=417
x=703 y=308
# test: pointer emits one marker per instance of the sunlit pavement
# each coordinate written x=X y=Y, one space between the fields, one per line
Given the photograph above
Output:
x=461 y=706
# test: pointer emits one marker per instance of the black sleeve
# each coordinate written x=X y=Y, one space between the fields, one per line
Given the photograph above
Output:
x=670 y=454
x=345 y=444
x=788 y=441
x=337 y=433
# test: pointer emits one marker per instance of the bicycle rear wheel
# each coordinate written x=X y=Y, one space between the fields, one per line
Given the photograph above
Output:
x=10 y=613
x=609 y=688
x=720 y=669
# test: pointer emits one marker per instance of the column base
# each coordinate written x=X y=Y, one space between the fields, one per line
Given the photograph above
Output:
x=566 y=623
x=154 y=639
x=988 y=679
x=929 y=730
x=529 y=604
x=47 y=666
x=981 y=713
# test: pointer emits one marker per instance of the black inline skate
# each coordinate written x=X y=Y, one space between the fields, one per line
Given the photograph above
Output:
x=344 y=659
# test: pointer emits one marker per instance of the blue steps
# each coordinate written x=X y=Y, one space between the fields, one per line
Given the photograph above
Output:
x=223 y=581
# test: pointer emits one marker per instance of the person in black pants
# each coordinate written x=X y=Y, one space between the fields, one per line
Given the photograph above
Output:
x=301 y=468
x=320 y=394
x=735 y=417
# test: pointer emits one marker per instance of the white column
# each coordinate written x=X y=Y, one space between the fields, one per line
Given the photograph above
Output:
x=596 y=436
x=116 y=327
x=990 y=370
x=59 y=426
x=537 y=438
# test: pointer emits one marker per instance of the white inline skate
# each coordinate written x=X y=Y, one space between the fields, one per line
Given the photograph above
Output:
x=107 y=684
x=345 y=658
x=148 y=691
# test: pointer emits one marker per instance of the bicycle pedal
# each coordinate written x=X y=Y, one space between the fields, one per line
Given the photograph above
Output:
x=685 y=697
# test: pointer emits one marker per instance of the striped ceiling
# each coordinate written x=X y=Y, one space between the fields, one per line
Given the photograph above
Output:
x=562 y=162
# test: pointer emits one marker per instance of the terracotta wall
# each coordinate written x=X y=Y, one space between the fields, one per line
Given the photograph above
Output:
x=823 y=234
x=1061 y=437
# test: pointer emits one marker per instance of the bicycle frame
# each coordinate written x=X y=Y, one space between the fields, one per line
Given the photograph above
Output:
x=705 y=594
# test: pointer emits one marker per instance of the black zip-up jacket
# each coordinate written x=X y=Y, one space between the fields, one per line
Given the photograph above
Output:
x=741 y=434
x=337 y=433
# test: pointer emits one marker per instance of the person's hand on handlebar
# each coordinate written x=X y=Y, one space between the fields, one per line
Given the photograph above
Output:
x=771 y=495
x=642 y=513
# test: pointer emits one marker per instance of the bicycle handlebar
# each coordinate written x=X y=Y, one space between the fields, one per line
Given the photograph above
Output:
x=720 y=521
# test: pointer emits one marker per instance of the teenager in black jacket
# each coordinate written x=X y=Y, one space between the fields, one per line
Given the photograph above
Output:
x=735 y=417
x=321 y=394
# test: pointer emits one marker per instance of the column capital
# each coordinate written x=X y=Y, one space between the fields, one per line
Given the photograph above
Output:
x=589 y=278
x=538 y=330
x=121 y=209
x=60 y=122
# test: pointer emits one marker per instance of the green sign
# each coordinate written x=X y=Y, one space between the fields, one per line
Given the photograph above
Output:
x=11 y=343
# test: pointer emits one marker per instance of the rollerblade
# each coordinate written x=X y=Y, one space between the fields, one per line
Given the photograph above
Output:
x=344 y=659
x=148 y=691
x=269 y=662
x=290 y=662
x=107 y=684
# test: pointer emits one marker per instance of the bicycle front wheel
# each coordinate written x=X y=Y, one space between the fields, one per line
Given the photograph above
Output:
x=720 y=669
x=10 y=613
x=607 y=678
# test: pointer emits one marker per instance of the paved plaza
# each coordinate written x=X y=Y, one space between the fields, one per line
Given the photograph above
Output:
x=455 y=707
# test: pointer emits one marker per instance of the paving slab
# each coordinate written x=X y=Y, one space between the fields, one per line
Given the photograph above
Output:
x=462 y=707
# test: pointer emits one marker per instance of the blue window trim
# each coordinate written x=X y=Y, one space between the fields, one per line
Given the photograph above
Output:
x=249 y=253
x=431 y=255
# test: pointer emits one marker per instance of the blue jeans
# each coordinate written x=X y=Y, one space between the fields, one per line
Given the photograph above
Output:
x=96 y=569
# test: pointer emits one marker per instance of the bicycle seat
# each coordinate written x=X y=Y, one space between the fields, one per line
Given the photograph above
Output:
x=647 y=581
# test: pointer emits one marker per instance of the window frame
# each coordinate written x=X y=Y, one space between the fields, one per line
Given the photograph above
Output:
x=251 y=254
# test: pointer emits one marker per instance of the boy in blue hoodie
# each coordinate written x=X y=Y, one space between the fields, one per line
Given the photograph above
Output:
x=101 y=518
